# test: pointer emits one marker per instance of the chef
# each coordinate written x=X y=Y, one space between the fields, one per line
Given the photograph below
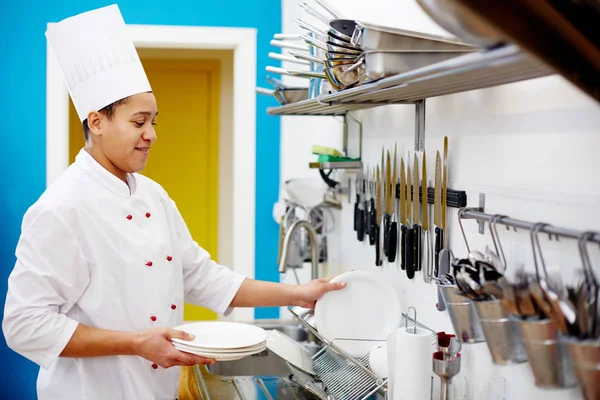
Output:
x=105 y=261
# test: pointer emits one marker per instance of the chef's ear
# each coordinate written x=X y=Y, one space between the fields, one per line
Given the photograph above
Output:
x=94 y=121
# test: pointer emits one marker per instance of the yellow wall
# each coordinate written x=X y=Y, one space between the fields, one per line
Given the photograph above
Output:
x=184 y=159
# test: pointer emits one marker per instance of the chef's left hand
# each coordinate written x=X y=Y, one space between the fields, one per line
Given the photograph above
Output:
x=308 y=293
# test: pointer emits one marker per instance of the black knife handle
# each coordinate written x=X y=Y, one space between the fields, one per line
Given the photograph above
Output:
x=360 y=225
x=439 y=240
x=378 y=259
x=356 y=215
x=403 y=247
x=372 y=216
x=410 y=261
x=386 y=232
x=392 y=242
x=417 y=247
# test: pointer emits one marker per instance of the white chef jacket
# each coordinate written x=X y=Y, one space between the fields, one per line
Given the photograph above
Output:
x=95 y=251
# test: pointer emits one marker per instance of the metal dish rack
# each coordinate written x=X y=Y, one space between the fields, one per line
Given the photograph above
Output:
x=339 y=376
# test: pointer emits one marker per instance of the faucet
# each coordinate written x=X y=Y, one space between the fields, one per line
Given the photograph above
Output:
x=314 y=247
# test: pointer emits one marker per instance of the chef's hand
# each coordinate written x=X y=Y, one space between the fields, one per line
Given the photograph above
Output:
x=155 y=345
x=308 y=293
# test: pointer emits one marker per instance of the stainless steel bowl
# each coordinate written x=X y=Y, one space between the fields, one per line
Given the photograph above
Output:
x=462 y=22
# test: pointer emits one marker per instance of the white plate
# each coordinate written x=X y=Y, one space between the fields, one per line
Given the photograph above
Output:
x=221 y=356
x=222 y=335
x=223 y=351
x=367 y=308
x=290 y=350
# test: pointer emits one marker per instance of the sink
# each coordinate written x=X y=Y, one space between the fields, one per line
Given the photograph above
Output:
x=265 y=363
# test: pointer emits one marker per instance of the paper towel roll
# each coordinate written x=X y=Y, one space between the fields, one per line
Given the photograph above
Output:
x=409 y=364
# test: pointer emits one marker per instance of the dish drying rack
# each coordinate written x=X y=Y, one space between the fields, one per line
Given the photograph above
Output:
x=340 y=376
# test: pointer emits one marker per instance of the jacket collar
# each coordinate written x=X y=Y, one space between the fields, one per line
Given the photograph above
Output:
x=106 y=178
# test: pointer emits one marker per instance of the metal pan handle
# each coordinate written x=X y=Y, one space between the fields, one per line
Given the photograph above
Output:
x=305 y=25
x=315 y=42
x=307 y=57
x=287 y=45
x=329 y=9
x=299 y=74
x=283 y=57
x=314 y=13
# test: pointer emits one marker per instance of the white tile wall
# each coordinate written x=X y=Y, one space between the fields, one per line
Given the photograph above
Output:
x=531 y=147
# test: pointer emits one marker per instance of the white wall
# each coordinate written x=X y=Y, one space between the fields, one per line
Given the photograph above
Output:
x=531 y=147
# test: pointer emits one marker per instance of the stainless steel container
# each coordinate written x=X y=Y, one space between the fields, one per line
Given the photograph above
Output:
x=371 y=37
x=549 y=359
x=501 y=334
x=378 y=65
x=586 y=359
x=463 y=315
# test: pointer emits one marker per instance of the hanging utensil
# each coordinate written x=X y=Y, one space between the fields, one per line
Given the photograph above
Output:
x=393 y=233
x=410 y=233
x=376 y=232
x=427 y=258
x=388 y=204
x=416 y=218
x=403 y=216
x=444 y=192
x=437 y=212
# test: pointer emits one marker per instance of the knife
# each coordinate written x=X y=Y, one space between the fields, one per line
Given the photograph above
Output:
x=425 y=222
x=410 y=232
x=372 y=209
x=393 y=234
x=357 y=186
x=360 y=210
x=437 y=211
x=444 y=191
x=416 y=220
x=403 y=218
x=388 y=204
x=378 y=260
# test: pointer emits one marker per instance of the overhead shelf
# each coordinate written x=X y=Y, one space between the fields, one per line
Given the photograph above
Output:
x=469 y=72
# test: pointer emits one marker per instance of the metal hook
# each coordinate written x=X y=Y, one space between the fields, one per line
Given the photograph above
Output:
x=535 y=242
x=585 y=258
x=496 y=237
x=415 y=319
x=460 y=214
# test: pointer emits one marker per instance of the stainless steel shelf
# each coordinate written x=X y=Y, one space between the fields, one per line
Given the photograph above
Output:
x=470 y=72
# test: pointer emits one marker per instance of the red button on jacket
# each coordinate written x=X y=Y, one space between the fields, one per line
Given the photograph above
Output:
x=147 y=215
x=153 y=317
x=129 y=217
x=149 y=263
x=173 y=306
x=154 y=366
x=169 y=258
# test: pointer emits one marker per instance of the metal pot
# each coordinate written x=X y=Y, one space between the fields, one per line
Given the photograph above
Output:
x=460 y=21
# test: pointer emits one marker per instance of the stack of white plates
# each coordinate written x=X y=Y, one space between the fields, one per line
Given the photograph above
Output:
x=223 y=341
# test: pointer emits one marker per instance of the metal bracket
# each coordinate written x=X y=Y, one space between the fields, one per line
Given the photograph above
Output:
x=420 y=125
x=360 y=134
x=481 y=208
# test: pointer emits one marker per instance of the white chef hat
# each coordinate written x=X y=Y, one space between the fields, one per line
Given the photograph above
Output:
x=97 y=58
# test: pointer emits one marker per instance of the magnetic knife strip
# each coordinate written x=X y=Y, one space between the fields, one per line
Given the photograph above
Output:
x=454 y=199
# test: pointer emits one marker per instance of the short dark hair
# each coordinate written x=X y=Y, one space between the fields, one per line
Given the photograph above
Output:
x=109 y=111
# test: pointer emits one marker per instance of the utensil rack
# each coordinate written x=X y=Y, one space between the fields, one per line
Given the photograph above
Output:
x=340 y=375
x=480 y=70
x=474 y=213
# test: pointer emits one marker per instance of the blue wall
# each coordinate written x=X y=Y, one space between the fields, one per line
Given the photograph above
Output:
x=22 y=127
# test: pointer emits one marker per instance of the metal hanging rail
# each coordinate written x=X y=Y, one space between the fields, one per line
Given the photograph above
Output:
x=469 y=213
x=469 y=72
